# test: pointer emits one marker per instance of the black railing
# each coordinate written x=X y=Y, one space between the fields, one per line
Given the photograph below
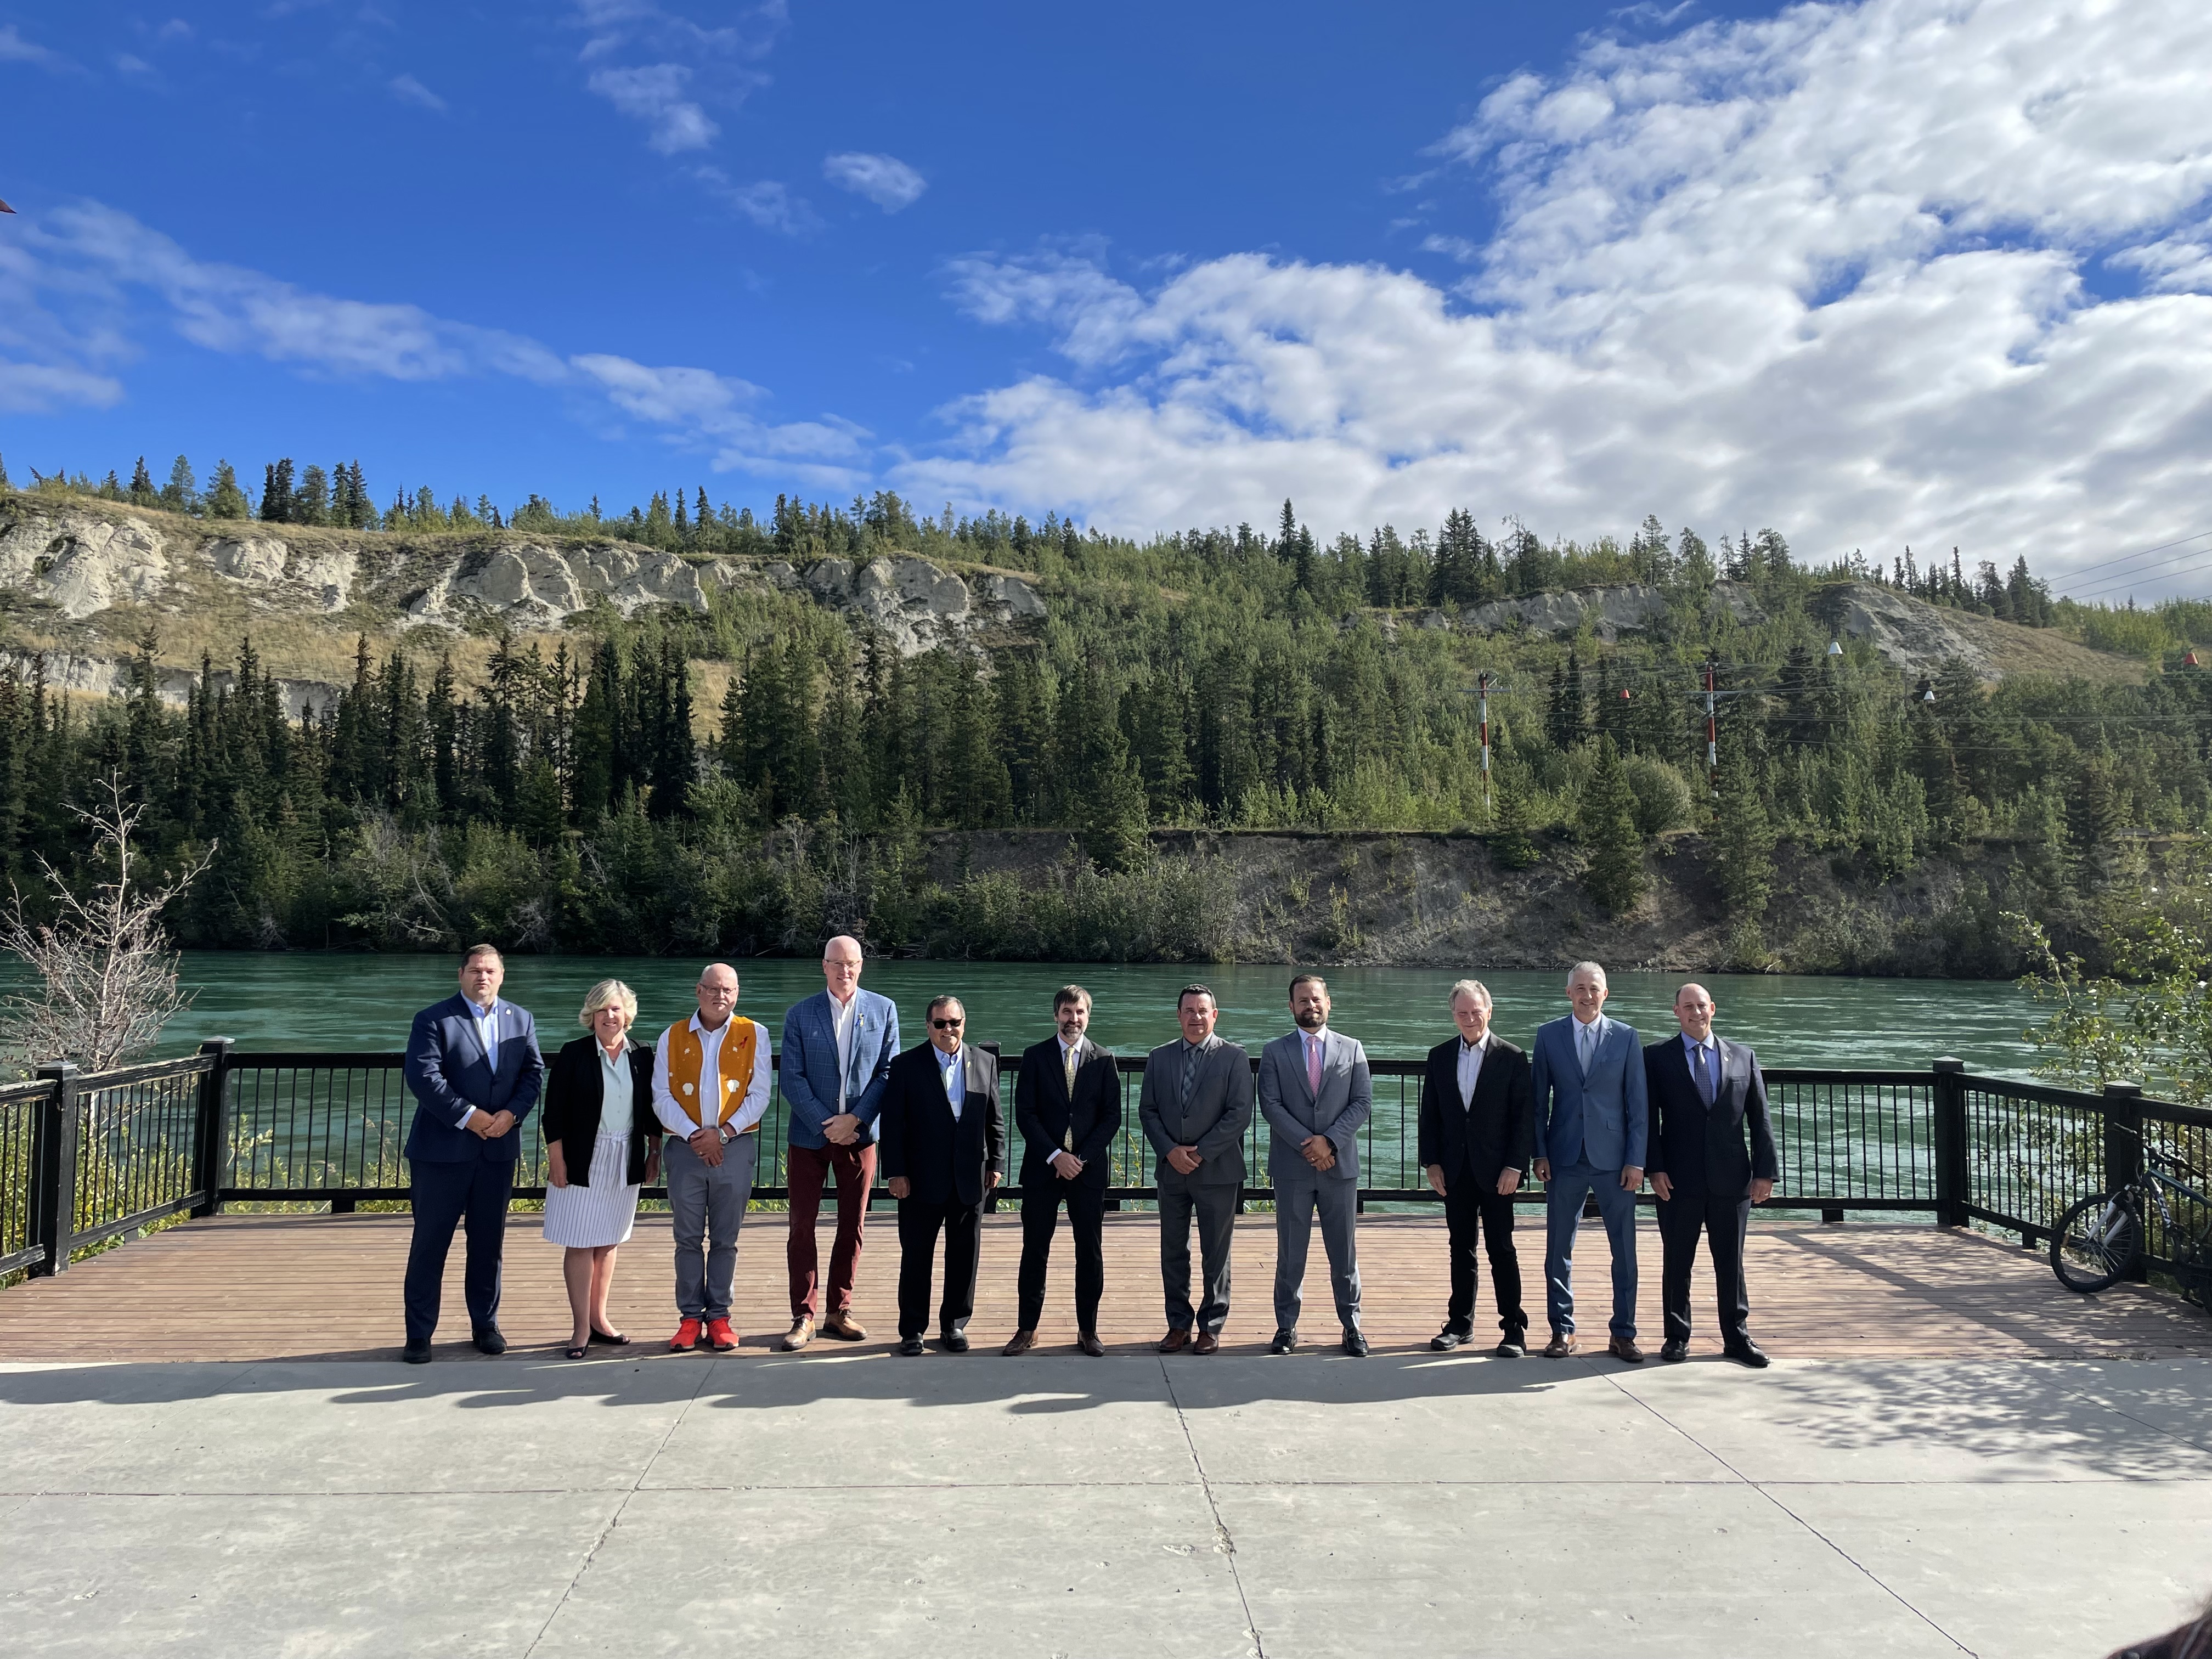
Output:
x=86 y=1159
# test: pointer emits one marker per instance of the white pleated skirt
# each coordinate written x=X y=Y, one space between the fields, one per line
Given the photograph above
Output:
x=589 y=1217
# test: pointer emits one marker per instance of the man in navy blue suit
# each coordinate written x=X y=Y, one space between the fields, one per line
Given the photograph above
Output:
x=474 y=1069
x=1592 y=1123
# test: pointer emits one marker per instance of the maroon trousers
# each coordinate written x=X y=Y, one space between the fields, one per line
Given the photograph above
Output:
x=807 y=1168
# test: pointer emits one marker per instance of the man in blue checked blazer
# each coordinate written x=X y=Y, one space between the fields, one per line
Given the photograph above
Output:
x=474 y=1069
x=837 y=1059
x=1592 y=1122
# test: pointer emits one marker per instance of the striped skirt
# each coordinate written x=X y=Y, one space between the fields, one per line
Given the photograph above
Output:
x=587 y=1218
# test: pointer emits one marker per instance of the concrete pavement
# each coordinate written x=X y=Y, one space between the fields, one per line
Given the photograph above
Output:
x=860 y=1504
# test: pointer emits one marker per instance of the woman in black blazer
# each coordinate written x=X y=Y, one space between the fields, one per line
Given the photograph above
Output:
x=602 y=1144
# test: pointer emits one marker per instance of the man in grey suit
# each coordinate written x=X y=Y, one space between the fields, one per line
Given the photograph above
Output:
x=1315 y=1092
x=1195 y=1105
x=1592 y=1124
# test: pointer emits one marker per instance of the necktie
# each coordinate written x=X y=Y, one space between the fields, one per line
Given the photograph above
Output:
x=1189 y=1073
x=1585 y=1042
x=1067 y=1065
x=1705 y=1078
x=1313 y=1067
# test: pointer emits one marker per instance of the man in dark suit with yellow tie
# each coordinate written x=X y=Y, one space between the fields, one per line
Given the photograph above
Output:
x=1712 y=1159
x=1067 y=1104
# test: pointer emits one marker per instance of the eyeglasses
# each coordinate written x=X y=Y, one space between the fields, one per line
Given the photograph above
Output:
x=947 y=1024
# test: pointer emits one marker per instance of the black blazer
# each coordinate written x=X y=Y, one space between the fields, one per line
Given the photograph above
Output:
x=1497 y=1133
x=573 y=1087
x=1702 y=1150
x=945 y=1161
x=1043 y=1112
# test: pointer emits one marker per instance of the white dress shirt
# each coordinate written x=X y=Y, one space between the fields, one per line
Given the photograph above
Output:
x=674 y=1119
x=954 y=1076
x=487 y=1024
x=844 y=1020
x=1470 y=1068
x=1052 y=1158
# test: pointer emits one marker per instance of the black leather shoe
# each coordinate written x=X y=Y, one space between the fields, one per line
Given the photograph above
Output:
x=910 y=1345
x=1089 y=1344
x=1746 y=1352
x=1675 y=1350
x=489 y=1339
x=956 y=1342
x=1513 y=1345
x=1447 y=1339
x=1355 y=1344
x=1283 y=1342
x=416 y=1353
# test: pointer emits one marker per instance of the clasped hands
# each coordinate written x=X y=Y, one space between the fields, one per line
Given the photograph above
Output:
x=490 y=1126
x=1317 y=1151
x=707 y=1142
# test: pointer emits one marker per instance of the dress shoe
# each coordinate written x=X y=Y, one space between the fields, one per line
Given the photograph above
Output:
x=1746 y=1352
x=1089 y=1344
x=1561 y=1344
x=911 y=1346
x=1205 y=1342
x=1022 y=1342
x=841 y=1325
x=686 y=1337
x=800 y=1333
x=1675 y=1350
x=1447 y=1339
x=1624 y=1347
x=416 y=1353
x=1283 y=1342
x=720 y=1337
x=489 y=1339
x=608 y=1338
x=955 y=1342
x=1176 y=1339
x=1511 y=1345
x=1355 y=1344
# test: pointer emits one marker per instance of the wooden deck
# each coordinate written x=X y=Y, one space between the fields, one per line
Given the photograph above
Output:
x=269 y=1287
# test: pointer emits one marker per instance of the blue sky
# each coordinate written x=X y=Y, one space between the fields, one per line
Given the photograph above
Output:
x=1840 y=270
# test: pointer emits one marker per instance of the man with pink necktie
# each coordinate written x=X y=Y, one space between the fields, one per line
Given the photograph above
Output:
x=1316 y=1093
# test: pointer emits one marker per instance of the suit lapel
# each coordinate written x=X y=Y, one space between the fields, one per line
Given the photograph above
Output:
x=469 y=1029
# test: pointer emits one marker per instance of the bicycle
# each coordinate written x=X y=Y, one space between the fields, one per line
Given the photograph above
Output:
x=2099 y=1241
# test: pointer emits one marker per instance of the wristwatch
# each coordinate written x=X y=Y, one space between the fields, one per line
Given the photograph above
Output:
x=723 y=1130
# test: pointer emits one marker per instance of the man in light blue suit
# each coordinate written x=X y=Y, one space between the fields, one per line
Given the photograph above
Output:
x=1591 y=1127
x=836 y=1058
x=473 y=1066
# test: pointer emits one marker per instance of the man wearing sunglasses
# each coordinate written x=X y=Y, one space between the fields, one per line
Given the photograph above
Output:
x=943 y=1148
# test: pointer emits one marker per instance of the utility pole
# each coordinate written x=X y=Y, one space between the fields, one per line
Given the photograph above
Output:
x=1482 y=709
x=1712 y=733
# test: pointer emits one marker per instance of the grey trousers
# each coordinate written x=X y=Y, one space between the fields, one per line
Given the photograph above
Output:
x=1295 y=1200
x=709 y=1207
x=1215 y=1205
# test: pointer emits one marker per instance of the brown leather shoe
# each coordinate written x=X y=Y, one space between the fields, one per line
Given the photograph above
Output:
x=1624 y=1347
x=1089 y=1344
x=1561 y=1344
x=800 y=1333
x=1022 y=1342
x=1205 y=1342
x=1176 y=1339
x=840 y=1324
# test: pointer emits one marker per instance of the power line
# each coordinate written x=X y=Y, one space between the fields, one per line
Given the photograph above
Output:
x=2132 y=577
x=2140 y=553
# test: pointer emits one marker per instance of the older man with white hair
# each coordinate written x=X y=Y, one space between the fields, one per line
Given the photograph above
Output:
x=1592 y=1123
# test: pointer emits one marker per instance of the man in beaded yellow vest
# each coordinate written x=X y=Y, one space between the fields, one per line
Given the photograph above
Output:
x=710 y=1086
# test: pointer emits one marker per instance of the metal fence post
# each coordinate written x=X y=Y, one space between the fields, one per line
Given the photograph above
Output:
x=2123 y=1140
x=211 y=1127
x=1949 y=1095
x=56 y=1192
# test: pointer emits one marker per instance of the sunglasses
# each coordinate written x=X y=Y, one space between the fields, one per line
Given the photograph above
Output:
x=947 y=1024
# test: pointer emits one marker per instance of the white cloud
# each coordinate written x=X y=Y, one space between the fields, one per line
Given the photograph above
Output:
x=655 y=94
x=15 y=49
x=1822 y=272
x=409 y=90
x=66 y=313
x=888 y=182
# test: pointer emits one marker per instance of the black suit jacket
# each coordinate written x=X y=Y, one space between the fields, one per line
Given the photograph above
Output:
x=1496 y=1132
x=573 y=1089
x=945 y=1160
x=1702 y=1150
x=1043 y=1112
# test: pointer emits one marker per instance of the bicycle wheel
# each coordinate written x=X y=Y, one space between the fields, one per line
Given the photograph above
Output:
x=2096 y=1243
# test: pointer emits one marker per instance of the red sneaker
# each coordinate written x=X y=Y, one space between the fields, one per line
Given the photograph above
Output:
x=686 y=1337
x=720 y=1337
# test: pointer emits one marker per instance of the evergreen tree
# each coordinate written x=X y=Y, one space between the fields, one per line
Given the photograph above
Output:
x=276 y=493
x=311 y=502
x=1743 y=840
x=1511 y=845
x=225 y=500
x=1606 y=818
x=182 y=493
x=143 y=493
